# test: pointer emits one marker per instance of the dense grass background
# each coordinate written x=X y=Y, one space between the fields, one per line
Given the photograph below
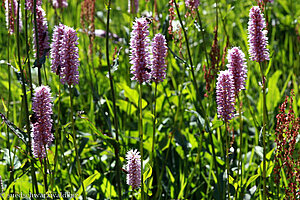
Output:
x=178 y=132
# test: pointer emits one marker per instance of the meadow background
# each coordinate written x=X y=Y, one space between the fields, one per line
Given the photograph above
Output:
x=180 y=170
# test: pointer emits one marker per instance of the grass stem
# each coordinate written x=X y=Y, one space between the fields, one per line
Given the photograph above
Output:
x=141 y=138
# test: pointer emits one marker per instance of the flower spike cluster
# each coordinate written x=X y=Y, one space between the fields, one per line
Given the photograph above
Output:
x=139 y=49
x=133 y=168
x=29 y=4
x=257 y=36
x=59 y=4
x=225 y=95
x=1 y=185
x=159 y=52
x=11 y=13
x=64 y=54
x=238 y=68
x=42 y=28
x=41 y=134
x=192 y=4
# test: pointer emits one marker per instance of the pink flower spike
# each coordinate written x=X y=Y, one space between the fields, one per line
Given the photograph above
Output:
x=257 y=36
x=159 y=52
x=133 y=168
x=69 y=57
x=11 y=15
x=238 y=68
x=41 y=134
x=29 y=4
x=192 y=4
x=60 y=4
x=56 y=47
x=139 y=49
x=225 y=95
x=42 y=27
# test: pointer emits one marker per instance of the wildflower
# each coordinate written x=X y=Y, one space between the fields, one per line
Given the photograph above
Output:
x=11 y=14
x=238 y=68
x=287 y=130
x=171 y=16
x=29 y=4
x=87 y=20
x=42 y=28
x=69 y=57
x=60 y=3
x=225 y=95
x=56 y=46
x=192 y=4
x=139 y=49
x=159 y=51
x=257 y=37
x=133 y=6
x=41 y=134
x=133 y=168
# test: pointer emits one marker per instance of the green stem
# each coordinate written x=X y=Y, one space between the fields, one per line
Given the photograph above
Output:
x=118 y=170
x=25 y=100
x=141 y=139
x=227 y=158
x=264 y=129
x=45 y=173
x=75 y=143
x=240 y=166
x=37 y=44
x=27 y=52
x=154 y=125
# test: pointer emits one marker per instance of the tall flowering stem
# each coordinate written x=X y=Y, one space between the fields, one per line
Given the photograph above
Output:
x=225 y=102
x=287 y=131
x=114 y=105
x=238 y=68
x=140 y=60
x=11 y=12
x=33 y=175
x=258 y=52
x=158 y=72
x=59 y=4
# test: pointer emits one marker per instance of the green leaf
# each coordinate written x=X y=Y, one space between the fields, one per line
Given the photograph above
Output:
x=147 y=174
x=170 y=174
x=131 y=94
x=88 y=182
x=273 y=97
x=269 y=154
x=251 y=179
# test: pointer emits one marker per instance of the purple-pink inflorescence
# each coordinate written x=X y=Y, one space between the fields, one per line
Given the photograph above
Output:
x=192 y=4
x=42 y=27
x=133 y=168
x=1 y=185
x=225 y=95
x=159 y=52
x=257 y=36
x=60 y=3
x=11 y=13
x=238 y=68
x=29 y=4
x=69 y=57
x=41 y=134
x=139 y=49
x=56 y=46
x=133 y=6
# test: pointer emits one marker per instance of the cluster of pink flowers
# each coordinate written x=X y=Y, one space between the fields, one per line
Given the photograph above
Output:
x=60 y=3
x=30 y=4
x=133 y=168
x=41 y=134
x=257 y=36
x=225 y=95
x=42 y=27
x=64 y=54
x=144 y=66
x=287 y=131
x=238 y=68
x=139 y=49
x=192 y=4
x=159 y=52
x=11 y=13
